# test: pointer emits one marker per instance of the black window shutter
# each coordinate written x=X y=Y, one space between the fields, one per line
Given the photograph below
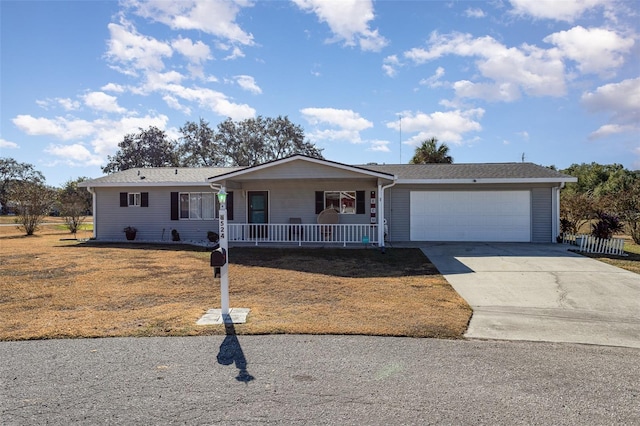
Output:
x=175 y=207
x=144 y=199
x=319 y=201
x=230 y=206
x=360 y=202
x=124 y=199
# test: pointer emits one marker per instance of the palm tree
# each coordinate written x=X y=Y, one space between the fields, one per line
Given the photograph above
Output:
x=431 y=152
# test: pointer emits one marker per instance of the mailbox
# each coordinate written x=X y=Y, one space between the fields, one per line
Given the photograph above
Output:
x=218 y=257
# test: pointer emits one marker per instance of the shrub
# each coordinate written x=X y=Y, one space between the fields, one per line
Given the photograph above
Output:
x=606 y=226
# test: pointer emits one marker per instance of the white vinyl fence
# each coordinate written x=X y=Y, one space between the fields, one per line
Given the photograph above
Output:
x=591 y=244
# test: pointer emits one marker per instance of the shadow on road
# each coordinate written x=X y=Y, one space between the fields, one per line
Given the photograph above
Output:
x=231 y=352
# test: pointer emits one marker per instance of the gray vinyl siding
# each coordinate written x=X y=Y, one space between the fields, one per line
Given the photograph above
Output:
x=154 y=222
x=397 y=208
x=296 y=199
x=300 y=170
x=397 y=213
x=541 y=215
x=287 y=199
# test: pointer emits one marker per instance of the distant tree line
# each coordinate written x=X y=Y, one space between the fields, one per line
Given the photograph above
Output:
x=244 y=143
x=607 y=195
x=23 y=190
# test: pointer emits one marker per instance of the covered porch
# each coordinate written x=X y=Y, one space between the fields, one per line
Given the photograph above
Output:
x=304 y=201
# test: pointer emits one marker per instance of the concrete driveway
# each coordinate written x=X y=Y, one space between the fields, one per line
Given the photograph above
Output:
x=541 y=292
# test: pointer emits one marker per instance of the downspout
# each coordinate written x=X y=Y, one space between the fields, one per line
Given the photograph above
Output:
x=380 y=215
x=94 y=210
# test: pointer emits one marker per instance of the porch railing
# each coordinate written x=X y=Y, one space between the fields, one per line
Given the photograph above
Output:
x=591 y=244
x=302 y=233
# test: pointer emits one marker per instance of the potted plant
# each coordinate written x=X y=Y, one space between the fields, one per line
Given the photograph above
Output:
x=213 y=236
x=130 y=232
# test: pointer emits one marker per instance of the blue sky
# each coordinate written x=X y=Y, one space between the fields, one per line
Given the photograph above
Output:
x=557 y=81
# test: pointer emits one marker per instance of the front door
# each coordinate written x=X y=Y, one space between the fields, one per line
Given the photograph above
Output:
x=258 y=213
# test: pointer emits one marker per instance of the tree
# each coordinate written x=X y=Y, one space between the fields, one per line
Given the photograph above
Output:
x=627 y=205
x=33 y=200
x=11 y=173
x=74 y=204
x=576 y=209
x=199 y=146
x=431 y=152
x=599 y=179
x=258 y=140
x=149 y=148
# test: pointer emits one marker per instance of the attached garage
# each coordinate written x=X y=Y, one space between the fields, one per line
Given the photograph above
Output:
x=470 y=216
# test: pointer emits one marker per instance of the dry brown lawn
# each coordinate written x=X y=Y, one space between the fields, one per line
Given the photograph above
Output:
x=54 y=287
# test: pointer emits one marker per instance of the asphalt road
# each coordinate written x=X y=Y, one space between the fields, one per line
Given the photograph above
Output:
x=316 y=380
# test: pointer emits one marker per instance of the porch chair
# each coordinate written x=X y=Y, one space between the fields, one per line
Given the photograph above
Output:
x=328 y=217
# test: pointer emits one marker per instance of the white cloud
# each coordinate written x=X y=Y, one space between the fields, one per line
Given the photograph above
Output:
x=197 y=52
x=236 y=53
x=174 y=103
x=390 y=65
x=248 y=83
x=74 y=155
x=379 y=146
x=474 y=12
x=215 y=17
x=100 y=101
x=447 y=126
x=621 y=101
x=103 y=134
x=434 y=80
x=66 y=103
x=335 y=124
x=113 y=87
x=535 y=71
x=215 y=101
x=348 y=21
x=596 y=50
x=135 y=51
x=59 y=127
x=505 y=92
x=562 y=10
x=8 y=144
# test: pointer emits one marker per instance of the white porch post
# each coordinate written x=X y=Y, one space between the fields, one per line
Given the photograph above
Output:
x=224 y=245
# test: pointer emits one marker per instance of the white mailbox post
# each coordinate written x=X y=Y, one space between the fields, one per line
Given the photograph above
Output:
x=224 y=245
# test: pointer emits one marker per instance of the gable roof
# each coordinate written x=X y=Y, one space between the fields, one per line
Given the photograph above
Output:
x=362 y=170
x=474 y=172
x=160 y=176
x=400 y=173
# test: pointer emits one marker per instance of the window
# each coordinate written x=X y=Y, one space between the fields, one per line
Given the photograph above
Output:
x=134 y=199
x=343 y=202
x=197 y=205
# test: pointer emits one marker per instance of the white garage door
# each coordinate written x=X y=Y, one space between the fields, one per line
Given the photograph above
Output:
x=470 y=216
